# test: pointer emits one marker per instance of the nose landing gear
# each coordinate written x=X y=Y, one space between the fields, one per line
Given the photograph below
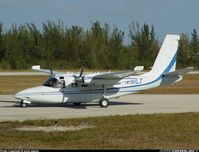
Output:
x=23 y=104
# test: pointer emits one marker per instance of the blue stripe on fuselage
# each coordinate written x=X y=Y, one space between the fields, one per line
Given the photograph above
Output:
x=160 y=76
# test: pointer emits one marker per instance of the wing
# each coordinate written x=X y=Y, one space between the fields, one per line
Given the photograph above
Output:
x=120 y=74
x=48 y=71
x=108 y=78
x=114 y=75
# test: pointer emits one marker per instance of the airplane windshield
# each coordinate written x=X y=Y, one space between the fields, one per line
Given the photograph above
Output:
x=53 y=82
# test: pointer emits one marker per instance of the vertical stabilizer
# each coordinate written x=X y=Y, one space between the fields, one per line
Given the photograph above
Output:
x=166 y=60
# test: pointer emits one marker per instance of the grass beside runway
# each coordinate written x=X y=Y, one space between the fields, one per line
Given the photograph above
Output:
x=155 y=131
x=13 y=84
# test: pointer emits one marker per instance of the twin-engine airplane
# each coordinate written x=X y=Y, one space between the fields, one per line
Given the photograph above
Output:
x=101 y=87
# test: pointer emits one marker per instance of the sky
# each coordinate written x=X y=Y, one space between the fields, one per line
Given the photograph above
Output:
x=167 y=16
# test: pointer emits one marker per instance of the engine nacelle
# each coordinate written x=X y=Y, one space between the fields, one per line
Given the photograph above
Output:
x=87 y=80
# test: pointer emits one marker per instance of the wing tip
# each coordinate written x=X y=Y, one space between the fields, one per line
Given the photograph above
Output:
x=37 y=67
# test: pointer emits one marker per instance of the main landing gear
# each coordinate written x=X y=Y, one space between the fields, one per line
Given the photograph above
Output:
x=77 y=104
x=104 y=102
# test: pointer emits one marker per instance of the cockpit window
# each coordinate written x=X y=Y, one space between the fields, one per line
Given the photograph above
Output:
x=53 y=82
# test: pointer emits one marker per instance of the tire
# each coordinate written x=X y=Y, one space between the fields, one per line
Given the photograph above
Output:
x=104 y=103
x=77 y=104
x=23 y=105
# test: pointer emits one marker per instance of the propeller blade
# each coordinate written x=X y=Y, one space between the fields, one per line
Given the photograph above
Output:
x=81 y=72
x=80 y=78
x=51 y=72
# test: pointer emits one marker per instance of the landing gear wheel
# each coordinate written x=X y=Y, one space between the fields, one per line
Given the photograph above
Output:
x=77 y=104
x=23 y=105
x=104 y=103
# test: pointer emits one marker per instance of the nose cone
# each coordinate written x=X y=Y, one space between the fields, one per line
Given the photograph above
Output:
x=27 y=93
x=18 y=96
x=24 y=94
x=40 y=94
x=21 y=95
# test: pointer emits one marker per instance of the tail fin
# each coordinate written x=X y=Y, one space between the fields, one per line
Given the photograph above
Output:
x=166 y=60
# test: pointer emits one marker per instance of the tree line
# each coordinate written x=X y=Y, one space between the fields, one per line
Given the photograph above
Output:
x=99 y=47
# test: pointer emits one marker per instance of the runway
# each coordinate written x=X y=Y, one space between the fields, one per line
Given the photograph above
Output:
x=131 y=104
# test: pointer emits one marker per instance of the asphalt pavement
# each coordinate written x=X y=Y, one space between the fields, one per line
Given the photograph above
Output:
x=130 y=104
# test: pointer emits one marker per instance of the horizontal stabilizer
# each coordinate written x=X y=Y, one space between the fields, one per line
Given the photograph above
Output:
x=180 y=72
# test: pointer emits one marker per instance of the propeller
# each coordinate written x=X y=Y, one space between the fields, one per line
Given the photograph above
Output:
x=81 y=72
x=51 y=71
x=80 y=78
x=52 y=74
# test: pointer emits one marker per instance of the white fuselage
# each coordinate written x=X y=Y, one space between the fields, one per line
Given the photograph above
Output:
x=91 y=93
